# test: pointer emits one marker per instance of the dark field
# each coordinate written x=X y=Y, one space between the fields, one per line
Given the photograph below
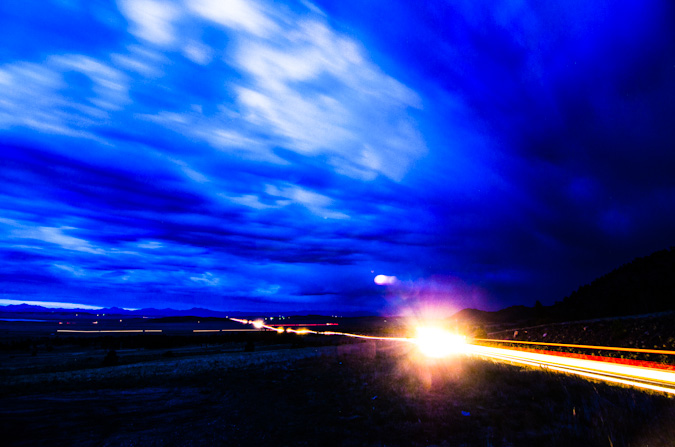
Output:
x=305 y=391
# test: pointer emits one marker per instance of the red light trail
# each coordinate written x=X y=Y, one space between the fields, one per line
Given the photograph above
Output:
x=566 y=345
x=309 y=324
x=435 y=342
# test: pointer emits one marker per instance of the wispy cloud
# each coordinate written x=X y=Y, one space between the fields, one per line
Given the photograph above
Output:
x=241 y=15
x=56 y=236
x=56 y=107
x=151 y=20
x=304 y=87
x=288 y=93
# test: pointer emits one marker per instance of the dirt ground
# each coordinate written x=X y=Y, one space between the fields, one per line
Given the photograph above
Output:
x=364 y=394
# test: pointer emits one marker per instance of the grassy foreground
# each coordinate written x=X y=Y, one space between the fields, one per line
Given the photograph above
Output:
x=364 y=394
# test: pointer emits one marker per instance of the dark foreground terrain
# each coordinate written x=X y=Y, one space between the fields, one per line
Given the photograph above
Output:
x=361 y=394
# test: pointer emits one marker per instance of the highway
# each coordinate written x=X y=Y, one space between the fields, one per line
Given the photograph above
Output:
x=438 y=343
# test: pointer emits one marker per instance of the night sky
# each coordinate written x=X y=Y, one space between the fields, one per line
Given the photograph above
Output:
x=253 y=156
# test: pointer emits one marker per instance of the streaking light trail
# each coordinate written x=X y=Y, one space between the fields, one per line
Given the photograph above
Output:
x=260 y=325
x=435 y=342
x=121 y=331
x=637 y=376
x=566 y=345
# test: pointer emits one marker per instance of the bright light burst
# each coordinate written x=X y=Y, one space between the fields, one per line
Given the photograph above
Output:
x=437 y=343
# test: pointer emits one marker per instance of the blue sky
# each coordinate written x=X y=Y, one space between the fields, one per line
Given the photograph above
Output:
x=249 y=155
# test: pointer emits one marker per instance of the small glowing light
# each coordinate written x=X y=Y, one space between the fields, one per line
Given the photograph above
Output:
x=258 y=324
x=384 y=280
x=437 y=343
x=280 y=330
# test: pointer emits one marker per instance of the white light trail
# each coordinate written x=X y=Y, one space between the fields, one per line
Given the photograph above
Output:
x=72 y=331
x=438 y=343
x=567 y=345
x=639 y=376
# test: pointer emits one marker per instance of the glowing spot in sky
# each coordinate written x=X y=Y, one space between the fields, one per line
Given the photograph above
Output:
x=384 y=280
x=437 y=343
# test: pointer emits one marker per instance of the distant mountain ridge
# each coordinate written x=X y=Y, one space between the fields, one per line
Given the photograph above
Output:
x=156 y=313
x=149 y=312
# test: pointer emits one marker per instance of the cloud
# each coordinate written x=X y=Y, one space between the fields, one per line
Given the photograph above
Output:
x=70 y=269
x=299 y=85
x=304 y=87
x=57 y=107
x=207 y=279
x=198 y=53
x=56 y=236
x=288 y=94
x=241 y=15
x=139 y=59
x=191 y=173
x=151 y=20
x=252 y=201
x=318 y=204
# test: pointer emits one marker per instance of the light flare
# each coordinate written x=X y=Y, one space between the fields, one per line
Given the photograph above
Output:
x=437 y=343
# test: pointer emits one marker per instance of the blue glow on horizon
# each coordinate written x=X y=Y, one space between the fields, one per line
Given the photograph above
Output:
x=51 y=304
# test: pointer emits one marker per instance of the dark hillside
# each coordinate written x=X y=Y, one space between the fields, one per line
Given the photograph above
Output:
x=645 y=285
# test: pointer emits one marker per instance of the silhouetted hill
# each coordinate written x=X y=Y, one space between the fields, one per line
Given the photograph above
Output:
x=642 y=286
x=513 y=314
x=187 y=319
